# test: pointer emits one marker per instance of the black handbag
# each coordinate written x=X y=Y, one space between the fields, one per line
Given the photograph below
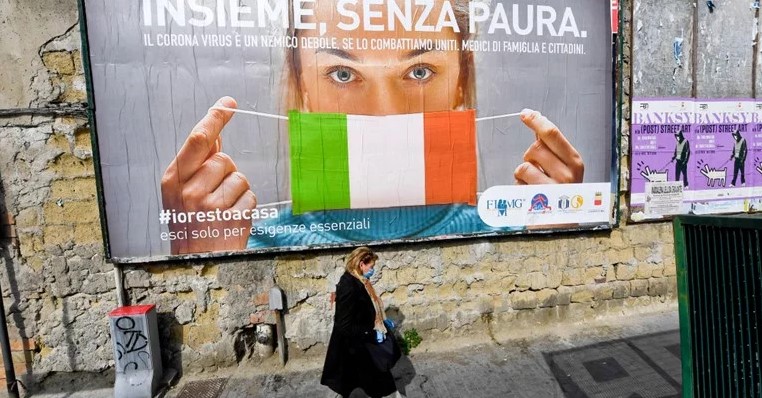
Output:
x=385 y=354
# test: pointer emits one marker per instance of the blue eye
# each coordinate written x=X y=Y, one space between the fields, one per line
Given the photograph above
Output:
x=342 y=75
x=420 y=73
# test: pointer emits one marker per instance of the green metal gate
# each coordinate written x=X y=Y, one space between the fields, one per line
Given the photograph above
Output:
x=719 y=277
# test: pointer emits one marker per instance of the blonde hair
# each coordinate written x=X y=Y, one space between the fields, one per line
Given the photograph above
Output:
x=293 y=99
x=361 y=255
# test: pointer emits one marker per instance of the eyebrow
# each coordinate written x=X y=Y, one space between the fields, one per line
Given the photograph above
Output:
x=338 y=53
x=416 y=53
x=346 y=55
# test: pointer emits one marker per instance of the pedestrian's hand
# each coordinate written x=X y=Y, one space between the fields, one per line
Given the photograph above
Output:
x=389 y=323
x=204 y=180
x=551 y=159
x=380 y=337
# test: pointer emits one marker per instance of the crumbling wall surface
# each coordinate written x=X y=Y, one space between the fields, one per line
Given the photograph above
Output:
x=58 y=289
x=26 y=27
x=725 y=49
x=460 y=288
x=663 y=41
x=688 y=49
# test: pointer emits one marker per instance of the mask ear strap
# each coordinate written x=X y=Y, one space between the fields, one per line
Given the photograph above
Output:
x=479 y=119
x=249 y=112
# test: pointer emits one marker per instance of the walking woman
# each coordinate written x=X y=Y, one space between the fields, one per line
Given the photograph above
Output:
x=359 y=319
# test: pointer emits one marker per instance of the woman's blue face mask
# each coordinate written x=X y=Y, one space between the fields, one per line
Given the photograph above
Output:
x=368 y=274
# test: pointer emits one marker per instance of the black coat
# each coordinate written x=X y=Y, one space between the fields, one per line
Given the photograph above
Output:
x=347 y=363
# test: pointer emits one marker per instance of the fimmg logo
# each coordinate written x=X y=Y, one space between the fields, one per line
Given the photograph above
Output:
x=503 y=205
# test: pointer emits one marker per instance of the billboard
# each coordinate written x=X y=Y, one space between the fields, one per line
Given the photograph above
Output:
x=233 y=126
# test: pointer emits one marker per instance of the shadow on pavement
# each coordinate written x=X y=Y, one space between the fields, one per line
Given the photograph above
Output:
x=75 y=384
x=642 y=366
x=404 y=373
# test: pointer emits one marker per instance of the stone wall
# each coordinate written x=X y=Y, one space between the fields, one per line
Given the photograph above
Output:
x=58 y=288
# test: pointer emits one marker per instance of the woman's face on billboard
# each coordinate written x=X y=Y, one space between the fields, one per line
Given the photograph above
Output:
x=354 y=79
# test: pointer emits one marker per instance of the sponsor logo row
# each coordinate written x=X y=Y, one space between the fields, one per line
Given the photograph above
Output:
x=540 y=203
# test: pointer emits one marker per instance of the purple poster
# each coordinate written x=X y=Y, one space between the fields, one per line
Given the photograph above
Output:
x=754 y=162
x=661 y=148
x=701 y=156
x=722 y=169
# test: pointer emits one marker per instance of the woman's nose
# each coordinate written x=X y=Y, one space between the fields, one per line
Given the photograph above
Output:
x=386 y=98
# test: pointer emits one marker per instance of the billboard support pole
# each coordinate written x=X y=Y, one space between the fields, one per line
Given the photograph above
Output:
x=119 y=281
x=276 y=305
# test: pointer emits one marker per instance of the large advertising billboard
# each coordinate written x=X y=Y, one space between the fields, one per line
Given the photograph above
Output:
x=233 y=126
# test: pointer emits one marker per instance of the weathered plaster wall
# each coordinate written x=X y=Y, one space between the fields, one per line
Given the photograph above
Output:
x=659 y=26
x=26 y=26
x=725 y=54
x=58 y=289
x=719 y=51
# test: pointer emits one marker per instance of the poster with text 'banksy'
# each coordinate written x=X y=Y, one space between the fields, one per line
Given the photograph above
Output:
x=754 y=155
x=721 y=178
x=661 y=151
x=715 y=156
x=232 y=126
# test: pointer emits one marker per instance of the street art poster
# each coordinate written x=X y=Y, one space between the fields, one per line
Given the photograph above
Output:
x=706 y=146
x=661 y=134
x=754 y=157
x=262 y=125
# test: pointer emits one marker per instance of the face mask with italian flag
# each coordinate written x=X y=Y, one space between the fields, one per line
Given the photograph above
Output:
x=341 y=161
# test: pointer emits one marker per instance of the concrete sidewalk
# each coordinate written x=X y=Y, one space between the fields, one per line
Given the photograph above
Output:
x=634 y=356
